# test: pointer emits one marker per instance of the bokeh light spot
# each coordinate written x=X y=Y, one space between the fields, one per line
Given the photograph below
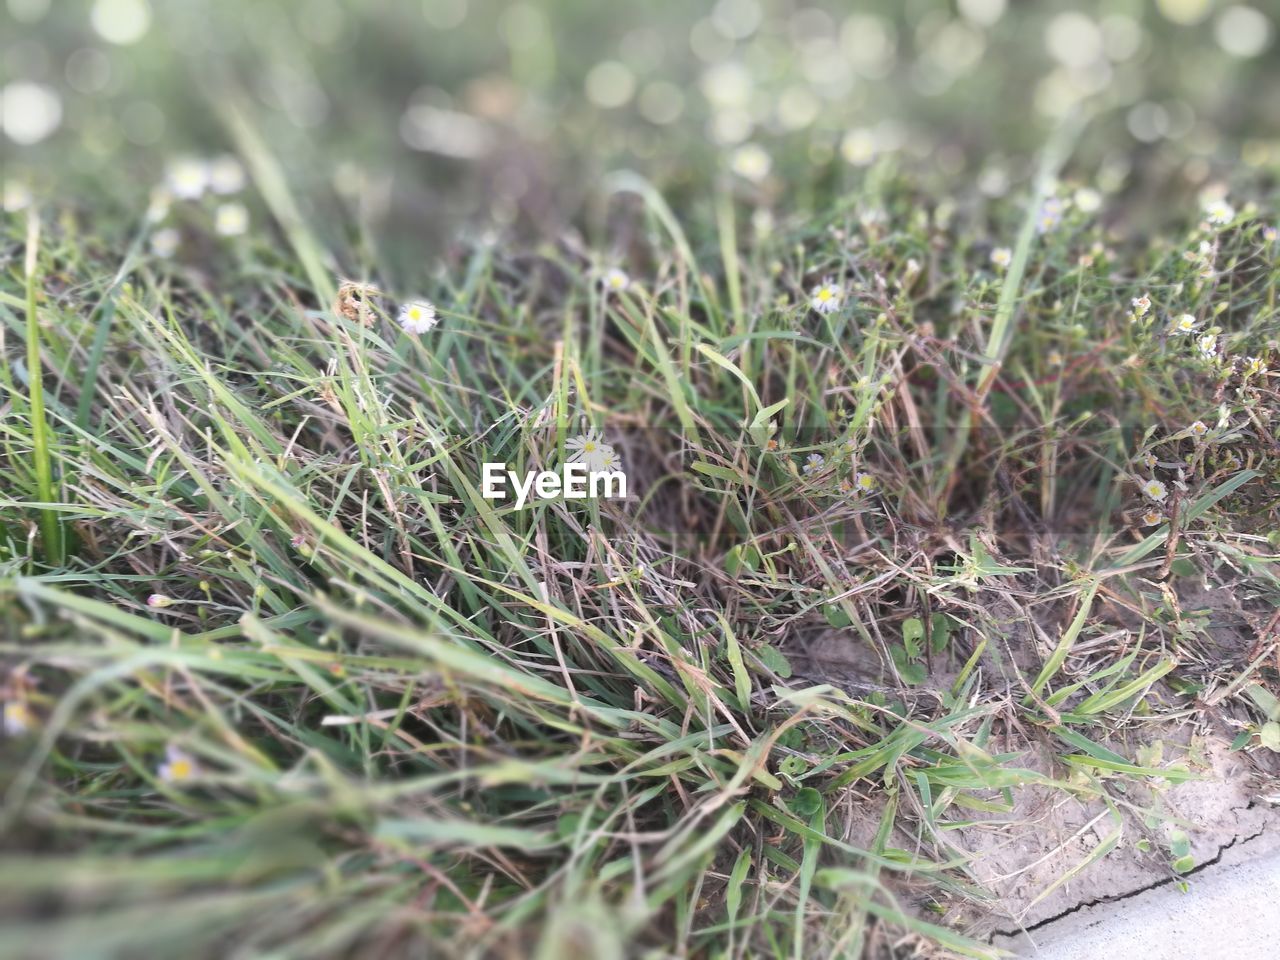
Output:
x=610 y=84
x=29 y=112
x=1242 y=31
x=121 y=21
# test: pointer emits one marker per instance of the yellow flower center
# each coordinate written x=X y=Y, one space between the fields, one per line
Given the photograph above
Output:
x=17 y=714
x=180 y=769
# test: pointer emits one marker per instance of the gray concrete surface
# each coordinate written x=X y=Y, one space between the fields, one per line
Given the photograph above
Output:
x=1231 y=912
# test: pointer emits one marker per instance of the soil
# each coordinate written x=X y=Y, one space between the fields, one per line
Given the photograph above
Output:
x=1034 y=862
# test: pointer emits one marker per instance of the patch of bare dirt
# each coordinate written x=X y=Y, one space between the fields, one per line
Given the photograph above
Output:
x=1087 y=839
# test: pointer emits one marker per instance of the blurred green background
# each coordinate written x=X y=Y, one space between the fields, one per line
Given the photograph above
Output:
x=418 y=119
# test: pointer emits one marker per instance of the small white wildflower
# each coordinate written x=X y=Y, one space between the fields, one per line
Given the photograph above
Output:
x=18 y=718
x=1156 y=490
x=158 y=205
x=1001 y=257
x=178 y=766
x=1183 y=324
x=417 y=317
x=1141 y=305
x=751 y=162
x=164 y=242
x=1254 y=367
x=589 y=448
x=610 y=462
x=1269 y=234
x=584 y=443
x=1151 y=518
x=1219 y=211
x=226 y=175
x=1055 y=358
x=1198 y=429
x=187 y=177
x=864 y=482
x=825 y=297
x=1208 y=346
x=615 y=280
x=159 y=600
x=813 y=463
x=859 y=147
x=873 y=217
x=1050 y=215
x=1149 y=460
x=231 y=219
x=1088 y=200
x=17 y=196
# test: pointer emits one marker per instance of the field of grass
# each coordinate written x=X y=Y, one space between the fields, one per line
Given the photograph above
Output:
x=928 y=485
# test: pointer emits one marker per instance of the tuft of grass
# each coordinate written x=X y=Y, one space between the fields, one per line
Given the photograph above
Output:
x=41 y=455
x=752 y=711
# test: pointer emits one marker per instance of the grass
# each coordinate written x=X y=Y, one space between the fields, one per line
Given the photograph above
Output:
x=418 y=720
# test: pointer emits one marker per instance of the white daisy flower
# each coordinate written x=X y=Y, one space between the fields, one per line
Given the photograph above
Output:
x=751 y=162
x=864 y=482
x=1219 y=211
x=813 y=463
x=1141 y=305
x=187 y=177
x=610 y=462
x=589 y=448
x=1001 y=257
x=231 y=219
x=1087 y=200
x=178 y=766
x=859 y=147
x=615 y=280
x=226 y=175
x=1198 y=429
x=1156 y=490
x=17 y=196
x=1254 y=367
x=1151 y=518
x=1149 y=460
x=1050 y=215
x=417 y=317
x=158 y=205
x=18 y=718
x=1183 y=324
x=1269 y=234
x=164 y=243
x=825 y=297
x=1208 y=346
